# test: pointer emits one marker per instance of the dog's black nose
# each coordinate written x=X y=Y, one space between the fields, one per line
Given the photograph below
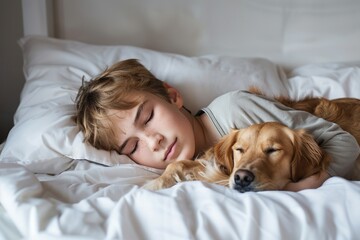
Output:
x=243 y=178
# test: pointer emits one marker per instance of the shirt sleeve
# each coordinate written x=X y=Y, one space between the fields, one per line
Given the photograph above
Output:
x=245 y=109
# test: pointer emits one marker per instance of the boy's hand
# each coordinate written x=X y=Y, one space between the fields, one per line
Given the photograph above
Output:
x=314 y=181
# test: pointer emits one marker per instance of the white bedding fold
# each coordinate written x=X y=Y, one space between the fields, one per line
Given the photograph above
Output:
x=95 y=202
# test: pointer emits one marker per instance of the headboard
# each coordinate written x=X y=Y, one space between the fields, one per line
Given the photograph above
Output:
x=288 y=32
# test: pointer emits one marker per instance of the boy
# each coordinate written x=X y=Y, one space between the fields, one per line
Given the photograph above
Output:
x=128 y=110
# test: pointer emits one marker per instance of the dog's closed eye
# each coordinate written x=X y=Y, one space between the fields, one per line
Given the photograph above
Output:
x=240 y=150
x=270 y=150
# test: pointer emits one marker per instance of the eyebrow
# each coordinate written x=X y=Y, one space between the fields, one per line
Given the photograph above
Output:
x=137 y=116
x=139 y=111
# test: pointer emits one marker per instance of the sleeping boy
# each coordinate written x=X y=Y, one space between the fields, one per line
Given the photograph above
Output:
x=128 y=110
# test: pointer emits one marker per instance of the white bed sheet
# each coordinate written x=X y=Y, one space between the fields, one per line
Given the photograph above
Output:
x=8 y=230
x=96 y=202
x=91 y=201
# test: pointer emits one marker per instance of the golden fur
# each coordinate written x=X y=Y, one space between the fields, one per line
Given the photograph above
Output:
x=343 y=111
x=265 y=156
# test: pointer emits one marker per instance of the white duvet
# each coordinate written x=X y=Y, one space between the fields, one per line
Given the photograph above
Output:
x=96 y=202
x=80 y=199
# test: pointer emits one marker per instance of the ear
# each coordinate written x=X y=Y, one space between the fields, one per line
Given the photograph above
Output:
x=308 y=157
x=175 y=96
x=223 y=151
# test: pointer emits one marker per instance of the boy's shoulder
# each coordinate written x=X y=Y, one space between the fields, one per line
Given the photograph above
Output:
x=237 y=95
x=240 y=99
x=228 y=99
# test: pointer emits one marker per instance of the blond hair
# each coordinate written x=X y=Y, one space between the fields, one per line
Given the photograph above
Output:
x=111 y=91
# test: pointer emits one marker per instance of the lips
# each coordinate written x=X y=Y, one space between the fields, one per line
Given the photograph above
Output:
x=170 y=150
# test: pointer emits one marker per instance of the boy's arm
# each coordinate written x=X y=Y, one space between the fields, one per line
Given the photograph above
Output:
x=314 y=181
x=339 y=144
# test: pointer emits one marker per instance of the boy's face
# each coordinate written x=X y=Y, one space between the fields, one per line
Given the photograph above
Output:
x=155 y=132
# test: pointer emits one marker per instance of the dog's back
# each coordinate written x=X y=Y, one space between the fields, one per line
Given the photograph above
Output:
x=343 y=111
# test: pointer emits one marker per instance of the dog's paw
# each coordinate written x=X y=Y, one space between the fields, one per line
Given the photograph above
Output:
x=153 y=185
x=159 y=183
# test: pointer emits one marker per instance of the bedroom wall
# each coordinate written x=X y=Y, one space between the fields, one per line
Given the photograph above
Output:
x=12 y=78
x=289 y=32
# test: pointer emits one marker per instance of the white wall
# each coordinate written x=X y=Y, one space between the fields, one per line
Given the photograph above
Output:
x=11 y=80
x=288 y=32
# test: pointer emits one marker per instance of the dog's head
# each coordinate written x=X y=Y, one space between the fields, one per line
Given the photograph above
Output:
x=267 y=156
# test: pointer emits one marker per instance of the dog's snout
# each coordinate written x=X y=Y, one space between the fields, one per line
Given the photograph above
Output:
x=243 y=178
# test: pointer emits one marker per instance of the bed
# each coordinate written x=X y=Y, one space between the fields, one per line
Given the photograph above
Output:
x=55 y=186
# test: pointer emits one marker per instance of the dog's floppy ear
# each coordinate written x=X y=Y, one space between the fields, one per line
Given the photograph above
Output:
x=308 y=157
x=223 y=151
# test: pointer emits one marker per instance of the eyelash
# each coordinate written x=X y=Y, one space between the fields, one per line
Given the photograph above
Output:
x=146 y=122
x=134 y=150
x=150 y=117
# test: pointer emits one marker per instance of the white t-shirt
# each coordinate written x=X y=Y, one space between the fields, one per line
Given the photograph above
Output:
x=240 y=109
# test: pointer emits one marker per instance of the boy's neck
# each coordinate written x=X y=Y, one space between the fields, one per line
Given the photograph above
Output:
x=206 y=134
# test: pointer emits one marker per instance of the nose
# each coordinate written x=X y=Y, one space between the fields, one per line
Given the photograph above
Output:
x=154 y=141
x=243 y=178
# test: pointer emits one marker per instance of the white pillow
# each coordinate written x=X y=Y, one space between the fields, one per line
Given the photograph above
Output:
x=329 y=80
x=44 y=137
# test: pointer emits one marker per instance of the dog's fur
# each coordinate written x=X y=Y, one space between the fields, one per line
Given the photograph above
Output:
x=343 y=111
x=265 y=156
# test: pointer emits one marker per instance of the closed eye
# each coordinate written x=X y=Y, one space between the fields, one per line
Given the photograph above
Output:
x=240 y=150
x=151 y=115
x=134 y=148
x=270 y=150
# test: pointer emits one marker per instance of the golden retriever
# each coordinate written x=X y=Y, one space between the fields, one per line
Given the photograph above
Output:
x=265 y=156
